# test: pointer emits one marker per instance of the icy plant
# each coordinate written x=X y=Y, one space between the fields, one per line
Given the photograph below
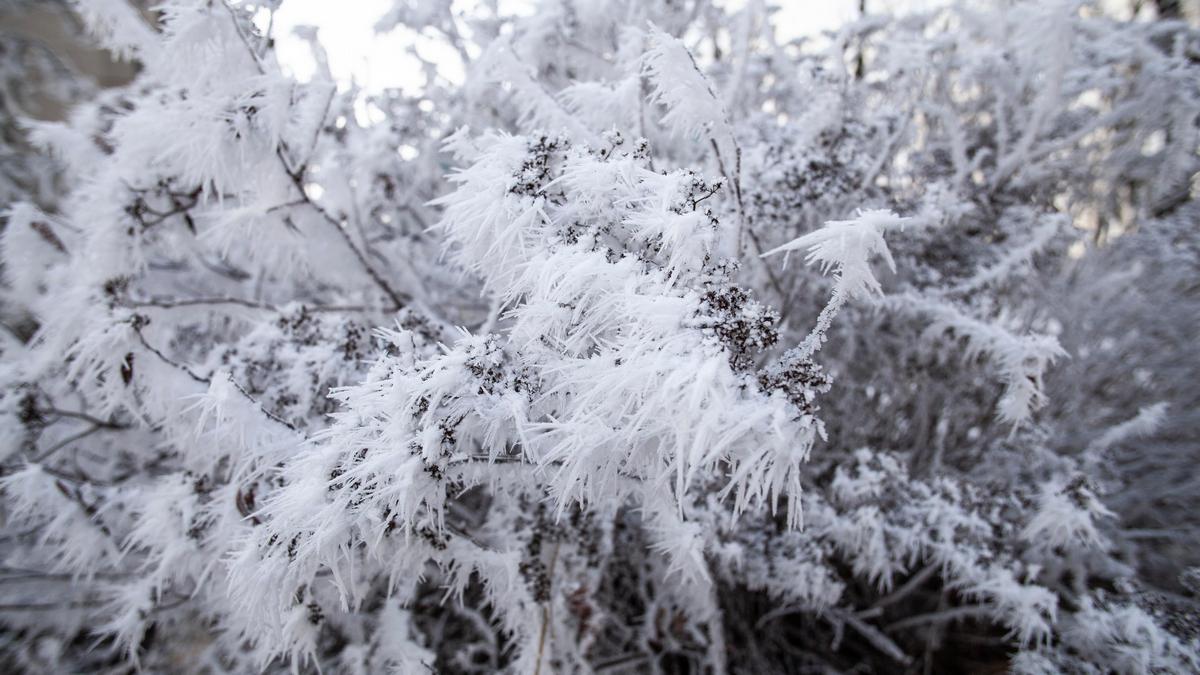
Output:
x=656 y=345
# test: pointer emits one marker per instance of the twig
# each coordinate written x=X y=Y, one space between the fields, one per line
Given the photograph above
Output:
x=621 y=661
x=872 y=634
x=208 y=381
x=841 y=617
x=33 y=575
x=107 y=424
x=774 y=280
x=192 y=302
x=908 y=587
x=1155 y=534
x=736 y=181
x=89 y=510
x=398 y=300
x=45 y=607
x=952 y=614
x=170 y=303
x=67 y=441
x=546 y=611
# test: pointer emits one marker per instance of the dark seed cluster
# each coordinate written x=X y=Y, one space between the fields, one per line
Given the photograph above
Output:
x=799 y=379
x=744 y=326
x=536 y=171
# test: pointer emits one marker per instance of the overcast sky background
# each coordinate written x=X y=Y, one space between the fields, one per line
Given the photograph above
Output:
x=380 y=61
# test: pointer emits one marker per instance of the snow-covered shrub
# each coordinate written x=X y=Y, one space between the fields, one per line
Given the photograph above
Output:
x=656 y=345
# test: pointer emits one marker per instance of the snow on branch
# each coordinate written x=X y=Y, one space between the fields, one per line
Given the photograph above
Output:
x=846 y=247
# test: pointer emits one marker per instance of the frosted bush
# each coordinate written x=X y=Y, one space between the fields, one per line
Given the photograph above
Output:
x=657 y=344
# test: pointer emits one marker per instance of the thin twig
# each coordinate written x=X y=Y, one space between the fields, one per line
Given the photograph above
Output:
x=774 y=280
x=908 y=587
x=107 y=424
x=49 y=606
x=192 y=302
x=622 y=661
x=208 y=381
x=872 y=634
x=952 y=614
x=171 y=303
x=67 y=441
x=546 y=611
x=398 y=299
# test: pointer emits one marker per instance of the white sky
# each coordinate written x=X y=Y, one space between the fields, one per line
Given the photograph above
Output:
x=375 y=62
x=380 y=61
